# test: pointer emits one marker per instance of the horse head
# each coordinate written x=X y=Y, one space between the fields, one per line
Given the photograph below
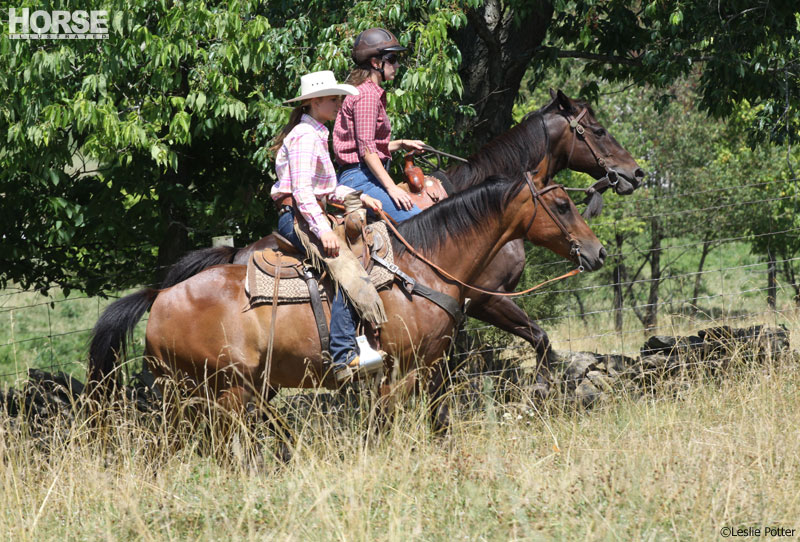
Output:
x=551 y=220
x=581 y=143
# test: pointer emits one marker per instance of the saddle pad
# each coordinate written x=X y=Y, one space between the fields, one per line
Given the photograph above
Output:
x=259 y=286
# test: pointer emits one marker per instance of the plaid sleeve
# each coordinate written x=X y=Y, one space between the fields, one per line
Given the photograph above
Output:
x=339 y=193
x=302 y=164
x=365 y=117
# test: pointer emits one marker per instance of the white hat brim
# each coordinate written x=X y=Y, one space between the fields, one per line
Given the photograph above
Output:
x=336 y=90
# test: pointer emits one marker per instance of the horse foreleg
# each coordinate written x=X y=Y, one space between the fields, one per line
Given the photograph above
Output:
x=503 y=313
x=439 y=408
x=256 y=405
x=390 y=393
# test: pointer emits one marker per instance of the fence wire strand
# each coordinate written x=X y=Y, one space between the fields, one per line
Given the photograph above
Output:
x=588 y=311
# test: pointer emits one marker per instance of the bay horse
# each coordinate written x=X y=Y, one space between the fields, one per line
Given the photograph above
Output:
x=204 y=330
x=548 y=132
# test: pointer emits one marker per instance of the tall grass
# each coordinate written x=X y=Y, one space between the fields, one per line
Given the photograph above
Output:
x=726 y=453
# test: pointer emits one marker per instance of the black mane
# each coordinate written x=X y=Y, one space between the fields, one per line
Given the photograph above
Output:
x=458 y=214
x=519 y=149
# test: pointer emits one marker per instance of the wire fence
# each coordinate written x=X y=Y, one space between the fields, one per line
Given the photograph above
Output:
x=708 y=266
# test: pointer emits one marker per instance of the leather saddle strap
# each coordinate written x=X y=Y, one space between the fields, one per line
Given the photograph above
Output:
x=446 y=302
x=316 y=308
x=449 y=304
x=274 y=319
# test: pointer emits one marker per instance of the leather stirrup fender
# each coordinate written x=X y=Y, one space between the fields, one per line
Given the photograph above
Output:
x=276 y=264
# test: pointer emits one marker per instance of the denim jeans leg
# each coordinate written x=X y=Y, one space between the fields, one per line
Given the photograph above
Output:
x=286 y=229
x=343 y=330
x=361 y=178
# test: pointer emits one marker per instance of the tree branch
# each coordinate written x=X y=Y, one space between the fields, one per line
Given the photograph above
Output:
x=612 y=59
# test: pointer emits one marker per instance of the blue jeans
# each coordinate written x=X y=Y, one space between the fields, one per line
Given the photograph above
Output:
x=343 y=317
x=361 y=178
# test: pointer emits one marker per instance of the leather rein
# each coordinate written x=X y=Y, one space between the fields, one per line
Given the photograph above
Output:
x=536 y=194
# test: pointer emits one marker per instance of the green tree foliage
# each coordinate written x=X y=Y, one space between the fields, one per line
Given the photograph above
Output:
x=120 y=154
x=745 y=51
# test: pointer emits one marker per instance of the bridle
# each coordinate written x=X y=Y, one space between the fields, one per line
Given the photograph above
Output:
x=536 y=195
x=578 y=132
x=610 y=179
x=575 y=245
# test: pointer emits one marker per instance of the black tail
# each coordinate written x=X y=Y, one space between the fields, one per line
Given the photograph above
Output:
x=195 y=261
x=114 y=330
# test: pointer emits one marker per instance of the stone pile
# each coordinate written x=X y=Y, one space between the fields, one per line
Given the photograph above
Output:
x=676 y=360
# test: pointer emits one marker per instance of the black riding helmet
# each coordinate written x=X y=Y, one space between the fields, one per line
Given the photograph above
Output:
x=374 y=42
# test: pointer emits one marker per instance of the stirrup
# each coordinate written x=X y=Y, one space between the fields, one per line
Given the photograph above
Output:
x=369 y=360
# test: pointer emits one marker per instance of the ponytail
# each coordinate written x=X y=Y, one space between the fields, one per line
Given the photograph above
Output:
x=294 y=120
x=357 y=76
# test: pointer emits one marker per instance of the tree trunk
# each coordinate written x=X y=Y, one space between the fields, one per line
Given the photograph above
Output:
x=496 y=51
x=175 y=241
x=619 y=273
x=698 y=279
x=651 y=312
x=791 y=278
x=581 y=308
x=772 y=283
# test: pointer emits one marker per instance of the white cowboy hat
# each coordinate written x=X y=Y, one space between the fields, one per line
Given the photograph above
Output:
x=322 y=83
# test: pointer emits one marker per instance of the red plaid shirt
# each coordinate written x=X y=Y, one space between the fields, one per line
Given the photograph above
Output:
x=362 y=125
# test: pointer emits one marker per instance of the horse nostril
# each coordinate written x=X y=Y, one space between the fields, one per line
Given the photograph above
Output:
x=603 y=254
x=638 y=175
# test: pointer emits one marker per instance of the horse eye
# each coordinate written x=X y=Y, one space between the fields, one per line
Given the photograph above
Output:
x=599 y=132
x=563 y=207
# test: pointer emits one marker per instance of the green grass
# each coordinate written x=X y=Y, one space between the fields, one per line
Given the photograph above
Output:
x=725 y=453
x=47 y=332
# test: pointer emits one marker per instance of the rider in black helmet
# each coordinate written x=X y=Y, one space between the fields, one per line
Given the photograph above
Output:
x=362 y=142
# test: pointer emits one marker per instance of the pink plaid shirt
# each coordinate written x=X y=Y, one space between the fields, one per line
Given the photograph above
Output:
x=305 y=172
x=362 y=125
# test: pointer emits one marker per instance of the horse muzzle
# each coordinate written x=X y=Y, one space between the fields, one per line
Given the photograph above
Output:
x=623 y=183
x=590 y=260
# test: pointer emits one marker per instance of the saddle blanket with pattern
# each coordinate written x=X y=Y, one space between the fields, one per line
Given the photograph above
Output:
x=292 y=287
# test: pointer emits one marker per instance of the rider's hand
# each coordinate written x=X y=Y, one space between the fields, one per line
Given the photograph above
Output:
x=371 y=203
x=400 y=198
x=413 y=145
x=330 y=243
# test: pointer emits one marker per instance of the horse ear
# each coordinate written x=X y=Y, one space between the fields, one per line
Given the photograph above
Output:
x=552 y=93
x=564 y=101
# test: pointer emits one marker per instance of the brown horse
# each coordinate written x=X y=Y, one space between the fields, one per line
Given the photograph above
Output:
x=203 y=330
x=543 y=133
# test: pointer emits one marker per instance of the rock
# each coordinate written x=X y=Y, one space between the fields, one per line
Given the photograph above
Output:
x=601 y=381
x=617 y=363
x=586 y=393
x=658 y=344
x=672 y=346
x=719 y=333
x=655 y=362
x=576 y=365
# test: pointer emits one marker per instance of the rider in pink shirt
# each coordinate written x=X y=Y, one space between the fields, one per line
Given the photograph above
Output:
x=306 y=178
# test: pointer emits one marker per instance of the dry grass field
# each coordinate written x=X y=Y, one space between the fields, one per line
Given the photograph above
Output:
x=724 y=453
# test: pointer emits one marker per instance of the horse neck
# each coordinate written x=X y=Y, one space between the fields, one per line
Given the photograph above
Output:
x=485 y=239
x=510 y=153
